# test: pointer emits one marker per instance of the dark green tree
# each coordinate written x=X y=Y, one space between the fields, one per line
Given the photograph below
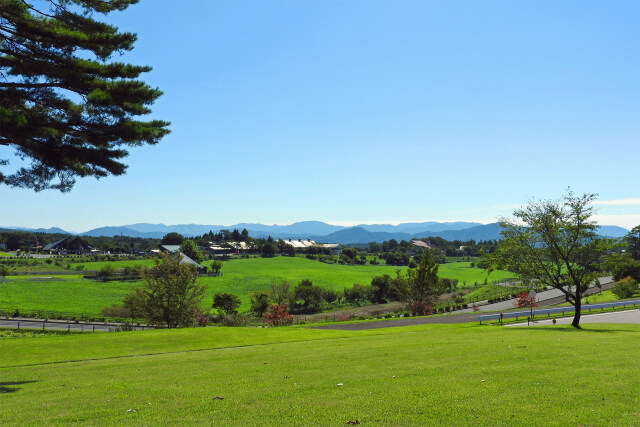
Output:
x=382 y=289
x=226 y=303
x=259 y=302
x=633 y=242
x=171 y=296
x=268 y=249
x=66 y=109
x=422 y=287
x=554 y=243
x=308 y=298
x=172 y=238
x=190 y=249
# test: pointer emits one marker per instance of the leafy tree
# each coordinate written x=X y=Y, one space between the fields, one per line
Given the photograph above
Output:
x=280 y=292
x=553 y=242
x=622 y=266
x=357 y=295
x=226 y=303
x=308 y=297
x=171 y=295
x=259 y=302
x=330 y=295
x=523 y=300
x=172 y=238
x=289 y=250
x=382 y=289
x=633 y=242
x=269 y=249
x=449 y=285
x=421 y=289
x=4 y=271
x=216 y=266
x=64 y=106
x=189 y=248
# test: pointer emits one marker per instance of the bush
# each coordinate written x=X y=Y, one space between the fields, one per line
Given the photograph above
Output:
x=277 y=315
x=234 y=319
x=625 y=288
x=106 y=272
x=357 y=294
x=116 y=311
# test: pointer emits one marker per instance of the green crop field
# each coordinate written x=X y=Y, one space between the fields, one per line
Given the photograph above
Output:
x=243 y=276
x=240 y=277
x=420 y=375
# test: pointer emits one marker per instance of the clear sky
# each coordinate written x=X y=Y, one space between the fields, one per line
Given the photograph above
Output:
x=370 y=111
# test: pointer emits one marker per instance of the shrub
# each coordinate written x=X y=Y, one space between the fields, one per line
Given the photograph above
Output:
x=357 y=294
x=625 y=288
x=523 y=300
x=106 y=272
x=277 y=315
x=234 y=319
x=116 y=311
x=201 y=319
x=330 y=295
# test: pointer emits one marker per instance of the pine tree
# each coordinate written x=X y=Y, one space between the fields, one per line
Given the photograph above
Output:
x=65 y=108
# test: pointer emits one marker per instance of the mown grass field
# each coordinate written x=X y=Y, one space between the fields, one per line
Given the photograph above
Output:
x=420 y=375
x=240 y=277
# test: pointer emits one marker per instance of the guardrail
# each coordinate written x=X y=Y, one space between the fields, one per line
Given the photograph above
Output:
x=586 y=308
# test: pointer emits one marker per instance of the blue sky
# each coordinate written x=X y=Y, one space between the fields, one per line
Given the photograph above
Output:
x=370 y=111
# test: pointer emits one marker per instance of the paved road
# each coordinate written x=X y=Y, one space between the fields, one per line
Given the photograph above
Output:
x=545 y=298
x=629 y=316
x=463 y=316
x=58 y=326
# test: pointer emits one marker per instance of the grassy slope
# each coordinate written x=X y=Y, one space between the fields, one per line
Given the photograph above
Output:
x=241 y=277
x=445 y=375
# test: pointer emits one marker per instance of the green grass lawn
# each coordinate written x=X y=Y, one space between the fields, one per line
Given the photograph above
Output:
x=421 y=375
x=67 y=295
x=240 y=277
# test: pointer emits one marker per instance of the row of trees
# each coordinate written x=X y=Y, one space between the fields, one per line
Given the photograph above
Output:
x=29 y=241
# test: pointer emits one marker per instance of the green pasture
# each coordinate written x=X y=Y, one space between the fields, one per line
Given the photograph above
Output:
x=73 y=295
x=240 y=276
x=420 y=375
x=39 y=264
x=244 y=276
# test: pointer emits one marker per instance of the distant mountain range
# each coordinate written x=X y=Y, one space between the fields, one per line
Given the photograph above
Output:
x=320 y=231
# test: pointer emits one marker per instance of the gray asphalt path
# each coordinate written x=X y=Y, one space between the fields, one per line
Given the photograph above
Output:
x=550 y=297
x=629 y=316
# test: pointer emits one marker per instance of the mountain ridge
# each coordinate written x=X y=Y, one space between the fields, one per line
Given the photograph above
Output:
x=319 y=231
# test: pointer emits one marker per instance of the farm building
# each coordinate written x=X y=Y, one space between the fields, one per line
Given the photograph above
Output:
x=301 y=244
x=423 y=245
x=69 y=245
x=174 y=250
